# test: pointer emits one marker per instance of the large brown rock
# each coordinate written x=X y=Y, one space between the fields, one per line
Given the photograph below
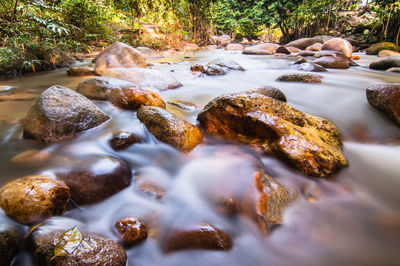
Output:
x=310 y=143
x=332 y=62
x=305 y=78
x=303 y=43
x=131 y=98
x=32 y=199
x=340 y=45
x=385 y=63
x=377 y=47
x=58 y=58
x=201 y=236
x=96 y=88
x=93 y=250
x=119 y=55
x=261 y=49
x=386 y=97
x=95 y=179
x=60 y=113
x=169 y=129
x=144 y=78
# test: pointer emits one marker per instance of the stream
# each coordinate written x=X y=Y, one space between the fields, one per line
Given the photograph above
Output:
x=351 y=218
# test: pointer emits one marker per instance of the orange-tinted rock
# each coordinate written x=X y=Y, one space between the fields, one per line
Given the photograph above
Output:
x=121 y=140
x=315 y=47
x=305 y=78
x=132 y=98
x=386 y=97
x=131 y=230
x=202 y=236
x=234 y=46
x=32 y=199
x=332 y=62
x=340 y=45
x=197 y=68
x=170 y=129
x=387 y=53
x=96 y=88
x=150 y=188
x=310 y=143
x=293 y=49
x=307 y=53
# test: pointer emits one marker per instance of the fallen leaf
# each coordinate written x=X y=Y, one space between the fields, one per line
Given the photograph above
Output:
x=68 y=242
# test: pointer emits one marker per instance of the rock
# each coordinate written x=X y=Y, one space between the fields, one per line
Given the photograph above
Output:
x=190 y=47
x=305 y=78
x=80 y=71
x=311 y=67
x=95 y=179
x=119 y=55
x=10 y=240
x=169 y=129
x=214 y=70
x=58 y=58
x=270 y=92
x=387 y=53
x=150 y=188
x=394 y=70
x=226 y=63
x=31 y=157
x=340 y=45
x=282 y=50
x=223 y=40
x=301 y=60
x=32 y=199
x=377 y=47
x=261 y=49
x=234 y=47
x=202 y=236
x=96 y=88
x=121 y=140
x=197 y=68
x=131 y=230
x=59 y=113
x=306 y=53
x=149 y=79
x=149 y=53
x=386 y=98
x=93 y=250
x=315 y=47
x=303 y=43
x=184 y=105
x=132 y=98
x=310 y=143
x=293 y=50
x=385 y=63
x=332 y=62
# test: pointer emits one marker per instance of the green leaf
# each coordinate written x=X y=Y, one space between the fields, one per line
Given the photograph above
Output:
x=68 y=243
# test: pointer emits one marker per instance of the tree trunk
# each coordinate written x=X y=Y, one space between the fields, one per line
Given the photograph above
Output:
x=15 y=6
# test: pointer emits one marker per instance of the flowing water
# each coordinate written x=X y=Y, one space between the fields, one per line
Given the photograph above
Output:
x=351 y=218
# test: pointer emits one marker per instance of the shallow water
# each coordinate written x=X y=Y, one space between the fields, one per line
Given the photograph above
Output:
x=351 y=218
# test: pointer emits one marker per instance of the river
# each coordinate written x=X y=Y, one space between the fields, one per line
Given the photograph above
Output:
x=351 y=218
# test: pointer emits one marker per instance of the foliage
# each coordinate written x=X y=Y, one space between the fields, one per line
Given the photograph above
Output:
x=69 y=241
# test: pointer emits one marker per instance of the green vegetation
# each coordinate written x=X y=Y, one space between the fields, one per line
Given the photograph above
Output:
x=32 y=31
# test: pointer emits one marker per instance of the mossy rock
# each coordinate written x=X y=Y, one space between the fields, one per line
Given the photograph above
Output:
x=377 y=47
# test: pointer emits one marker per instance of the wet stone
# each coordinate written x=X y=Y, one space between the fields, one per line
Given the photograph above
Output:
x=197 y=68
x=31 y=157
x=332 y=62
x=305 y=78
x=270 y=92
x=184 y=105
x=282 y=50
x=80 y=71
x=131 y=230
x=10 y=240
x=385 y=63
x=301 y=60
x=311 y=67
x=386 y=98
x=214 y=70
x=121 y=140
x=96 y=88
x=151 y=189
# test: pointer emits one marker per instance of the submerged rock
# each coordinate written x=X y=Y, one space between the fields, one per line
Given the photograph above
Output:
x=80 y=71
x=339 y=45
x=132 y=98
x=261 y=49
x=202 y=236
x=119 y=55
x=332 y=62
x=270 y=92
x=92 y=250
x=305 y=78
x=311 y=67
x=32 y=199
x=59 y=113
x=385 y=63
x=226 y=63
x=121 y=140
x=131 y=230
x=144 y=78
x=169 y=129
x=377 y=47
x=96 y=88
x=95 y=179
x=310 y=143
x=386 y=98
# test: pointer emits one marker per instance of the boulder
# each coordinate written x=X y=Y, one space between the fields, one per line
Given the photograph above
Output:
x=332 y=62
x=311 y=67
x=215 y=70
x=377 y=47
x=144 y=78
x=394 y=70
x=315 y=47
x=60 y=113
x=121 y=140
x=305 y=78
x=234 y=47
x=58 y=58
x=190 y=47
x=95 y=179
x=170 y=129
x=282 y=50
x=261 y=49
x=92 y=250
x=96 y=88
x=32 y=199
x=339 y=45
x=385 y=63
x=270 y=92
x=223 y=40
x=119 y=55
x=80 y=71
x=149 y=53
x=10 y=240
x=310 y=143
x=303 y=43
x=386 y=98
x=226 y=63
x=132 y=98
x=202 y=236
x=131 y=230
x=387 y=53
x=293 y=50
